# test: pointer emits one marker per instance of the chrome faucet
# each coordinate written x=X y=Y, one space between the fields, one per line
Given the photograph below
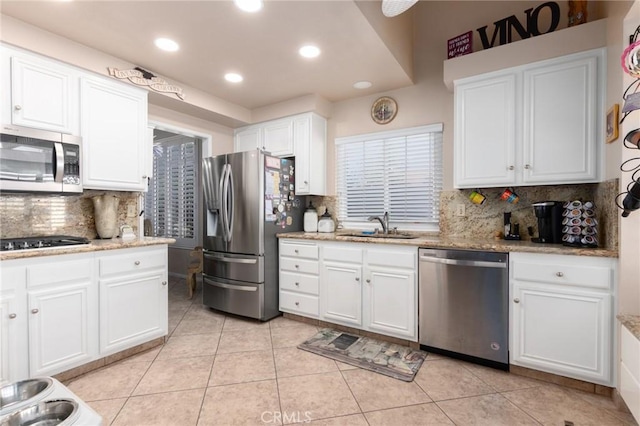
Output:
x=384 y=222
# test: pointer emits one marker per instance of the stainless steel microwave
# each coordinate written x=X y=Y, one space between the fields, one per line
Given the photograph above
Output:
x=33 y=160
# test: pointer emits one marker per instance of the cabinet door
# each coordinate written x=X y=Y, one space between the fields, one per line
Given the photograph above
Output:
x=247 y=139
x=62 y=327
x=390 y=302
x=485 y=132
x=562 y=331
x=302 y=148
x=277 y=138
x=132 y=311
x=114 y=136
x=44 y=95
x=13 y=325
x=341 y=293
x=561 y=122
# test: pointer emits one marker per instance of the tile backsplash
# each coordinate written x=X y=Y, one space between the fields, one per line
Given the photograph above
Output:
x=26 y=215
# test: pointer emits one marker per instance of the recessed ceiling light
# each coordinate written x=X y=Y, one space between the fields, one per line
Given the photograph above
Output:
x=166 y=44
x=233 y=77
x=249 y=5
x=309 y=51
x=362 y=84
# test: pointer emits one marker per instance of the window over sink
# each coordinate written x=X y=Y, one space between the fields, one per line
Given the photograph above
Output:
x=397 y=171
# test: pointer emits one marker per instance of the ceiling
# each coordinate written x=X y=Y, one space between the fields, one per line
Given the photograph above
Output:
x=215 y=37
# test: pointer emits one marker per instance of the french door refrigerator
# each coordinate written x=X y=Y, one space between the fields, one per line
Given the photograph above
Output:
x=249 y=198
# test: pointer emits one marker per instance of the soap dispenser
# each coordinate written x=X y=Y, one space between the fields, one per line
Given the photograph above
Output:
x=310 y=219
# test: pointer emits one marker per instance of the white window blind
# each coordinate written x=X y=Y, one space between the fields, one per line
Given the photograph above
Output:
x=171 y=202
x=398 y=171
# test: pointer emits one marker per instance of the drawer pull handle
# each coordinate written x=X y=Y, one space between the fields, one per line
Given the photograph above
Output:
x=137 y=262
x=12 y=316
x=297 y=284
x=516 y=300
x=297 y=303
x=559 y=274
x=35 y=311
x=297 y=266
x=164 y=283
x=296 y=251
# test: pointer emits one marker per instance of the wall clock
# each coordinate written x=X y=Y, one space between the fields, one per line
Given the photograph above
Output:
x=384 y=110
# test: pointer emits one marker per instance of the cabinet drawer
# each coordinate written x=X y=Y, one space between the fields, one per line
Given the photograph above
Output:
x=559 y=273
x=299 y=303
x=397 y=258
x=307 y=251
x=62 y=271
x=299 y=282
x=342 y=254
x=132 y=262
x=299 y=265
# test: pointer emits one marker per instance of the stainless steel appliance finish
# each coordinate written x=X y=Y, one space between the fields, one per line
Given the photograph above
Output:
x=23 y=391
x=249 y=197
x=47 y=413
x=48 y=242
x=34 y=160
x=464 y=308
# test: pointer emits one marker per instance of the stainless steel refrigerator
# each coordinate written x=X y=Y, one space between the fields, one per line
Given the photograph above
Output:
x=249 y=198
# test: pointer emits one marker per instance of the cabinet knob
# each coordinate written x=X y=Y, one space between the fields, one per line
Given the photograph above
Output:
x=516 y=300
x=296 y=251
x=297 y=266
x=357 y=279
x=18 y=107
x=144 y=176
x=137 y=262
x=35 y=311
x=510 y=168
x=297 y=284
x=12 y=316
x=368 y=280
x=527 y=166
x=164 y=283
x=297 y=303
x=559 y=274
x=306 y=182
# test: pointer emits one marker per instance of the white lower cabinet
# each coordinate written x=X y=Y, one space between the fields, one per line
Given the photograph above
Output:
x=561 y=315
x=14 y=349
x=299 y=282
x=133 y=297
x=629 y=385
x=62 y=303
x=366 y=286
x=60 y=312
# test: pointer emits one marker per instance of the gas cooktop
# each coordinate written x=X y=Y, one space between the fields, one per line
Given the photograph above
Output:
x=50 y=241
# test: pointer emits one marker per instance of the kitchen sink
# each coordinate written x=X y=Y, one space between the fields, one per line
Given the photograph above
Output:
x=398 y=236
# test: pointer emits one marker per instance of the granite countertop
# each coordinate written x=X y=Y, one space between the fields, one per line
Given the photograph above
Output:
x=632 y=322
x=437 y=241
x=95 y=245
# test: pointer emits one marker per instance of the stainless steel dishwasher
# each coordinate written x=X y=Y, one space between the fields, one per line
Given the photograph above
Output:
x=464 y=310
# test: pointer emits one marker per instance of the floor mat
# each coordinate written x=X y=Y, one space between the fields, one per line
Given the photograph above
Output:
x=399 y=362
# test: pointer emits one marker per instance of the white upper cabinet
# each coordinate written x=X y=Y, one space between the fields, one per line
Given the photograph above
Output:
x=114 y=133
x=485 y=131
x=538 y=124
x=303 y=136
x=44 y=93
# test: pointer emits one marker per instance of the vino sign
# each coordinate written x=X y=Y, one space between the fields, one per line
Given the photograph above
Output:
x=503 y=29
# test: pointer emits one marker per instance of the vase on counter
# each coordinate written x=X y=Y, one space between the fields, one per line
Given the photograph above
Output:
x=105 y=209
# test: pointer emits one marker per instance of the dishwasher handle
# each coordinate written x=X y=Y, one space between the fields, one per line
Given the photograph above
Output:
x=476 y=263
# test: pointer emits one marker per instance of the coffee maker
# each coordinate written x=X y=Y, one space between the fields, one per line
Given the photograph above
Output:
x=549 y=214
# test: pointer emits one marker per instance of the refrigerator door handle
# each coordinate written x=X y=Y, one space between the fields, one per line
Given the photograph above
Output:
x=230 y=201
x=207 y=179
x=223 y=196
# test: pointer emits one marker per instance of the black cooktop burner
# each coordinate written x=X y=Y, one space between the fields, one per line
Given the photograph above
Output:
x=7 y=244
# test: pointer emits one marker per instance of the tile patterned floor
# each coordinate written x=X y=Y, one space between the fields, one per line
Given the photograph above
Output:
x=222 y=370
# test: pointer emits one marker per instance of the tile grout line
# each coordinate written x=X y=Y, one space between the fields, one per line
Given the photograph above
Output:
x=275 y=371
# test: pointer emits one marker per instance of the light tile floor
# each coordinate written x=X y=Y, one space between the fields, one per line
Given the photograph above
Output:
x=222 y=370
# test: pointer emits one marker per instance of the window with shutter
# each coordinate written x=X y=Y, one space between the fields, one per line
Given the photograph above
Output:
x=171 y=202
x=398 y=171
